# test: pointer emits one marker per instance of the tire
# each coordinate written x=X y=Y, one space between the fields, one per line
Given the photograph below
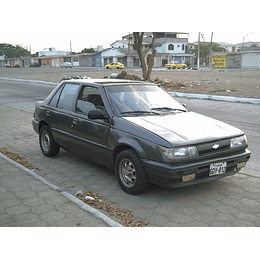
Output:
x=130 y=173
x=48 y=146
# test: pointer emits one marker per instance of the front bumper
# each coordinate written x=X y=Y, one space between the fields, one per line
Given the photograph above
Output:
x=169 y=175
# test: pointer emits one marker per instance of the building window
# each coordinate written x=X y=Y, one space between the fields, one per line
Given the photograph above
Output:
x=183 y=47
x=170 y=47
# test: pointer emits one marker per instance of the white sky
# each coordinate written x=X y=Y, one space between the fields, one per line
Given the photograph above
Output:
x=79 y=41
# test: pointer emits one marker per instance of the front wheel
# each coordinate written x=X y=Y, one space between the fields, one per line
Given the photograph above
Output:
x=130 y=173
x=48 y=146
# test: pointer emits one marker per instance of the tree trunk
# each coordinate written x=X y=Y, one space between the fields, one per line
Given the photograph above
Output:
x=151 y=59
x=139 y=47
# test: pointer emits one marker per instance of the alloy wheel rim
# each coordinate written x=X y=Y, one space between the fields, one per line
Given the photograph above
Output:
x=127 y=173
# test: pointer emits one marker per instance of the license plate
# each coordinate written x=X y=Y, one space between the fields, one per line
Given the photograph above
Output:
x=217 y=168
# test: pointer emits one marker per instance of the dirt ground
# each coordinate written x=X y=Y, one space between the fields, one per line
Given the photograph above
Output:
x=239 y=83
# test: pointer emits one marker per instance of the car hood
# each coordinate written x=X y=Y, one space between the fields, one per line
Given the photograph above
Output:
x=185 y=128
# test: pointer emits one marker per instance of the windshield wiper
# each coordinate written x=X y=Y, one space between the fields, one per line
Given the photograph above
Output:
x=139 y=112
x=168 y=109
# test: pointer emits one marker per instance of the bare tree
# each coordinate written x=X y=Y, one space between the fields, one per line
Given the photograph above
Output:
x=138 y=36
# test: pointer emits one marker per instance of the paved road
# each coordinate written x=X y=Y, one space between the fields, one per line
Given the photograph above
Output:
x=232 y=201
x=22 y=94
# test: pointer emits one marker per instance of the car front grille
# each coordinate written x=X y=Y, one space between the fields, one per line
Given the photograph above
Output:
x=213 y=147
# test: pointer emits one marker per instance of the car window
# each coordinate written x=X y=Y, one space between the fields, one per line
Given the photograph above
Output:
x=89 y=99
x=55 y=98
x=67 y=96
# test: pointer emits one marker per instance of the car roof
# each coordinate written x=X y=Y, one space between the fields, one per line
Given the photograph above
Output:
x=106 y=81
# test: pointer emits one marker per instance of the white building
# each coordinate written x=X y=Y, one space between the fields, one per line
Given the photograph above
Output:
x=169 y=46
x=115 y=54
x=173 y=46
x=52 y=52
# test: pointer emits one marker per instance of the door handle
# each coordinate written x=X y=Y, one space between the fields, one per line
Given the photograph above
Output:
x=75 y=121
x=48 y=112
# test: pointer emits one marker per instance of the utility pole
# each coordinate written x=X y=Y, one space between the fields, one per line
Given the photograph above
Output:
x=70 y=48
x=210 y=54
x=198 y=58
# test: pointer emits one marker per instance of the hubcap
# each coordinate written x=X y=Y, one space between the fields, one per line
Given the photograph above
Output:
x=127 y=173
x=45 y=140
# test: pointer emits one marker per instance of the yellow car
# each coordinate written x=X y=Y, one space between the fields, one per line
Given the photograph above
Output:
x=115 y=65
x=176 y=65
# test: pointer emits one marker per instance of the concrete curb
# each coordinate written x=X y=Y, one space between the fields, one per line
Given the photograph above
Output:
x=217 y=98
x=65 y=194
x=91 y=210
x=31 y=80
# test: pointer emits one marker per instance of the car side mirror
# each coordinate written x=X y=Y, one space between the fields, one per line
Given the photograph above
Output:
x=96 y=114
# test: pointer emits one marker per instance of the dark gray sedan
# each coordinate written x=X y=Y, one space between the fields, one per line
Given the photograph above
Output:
x=140 y=131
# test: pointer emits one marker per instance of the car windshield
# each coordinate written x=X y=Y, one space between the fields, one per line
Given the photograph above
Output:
x=129 y=100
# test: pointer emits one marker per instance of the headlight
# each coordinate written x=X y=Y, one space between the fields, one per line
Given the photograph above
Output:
x=180 y=153
x=238 y=141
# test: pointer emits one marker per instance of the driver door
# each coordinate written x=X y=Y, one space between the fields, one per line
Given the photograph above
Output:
x=89 y=137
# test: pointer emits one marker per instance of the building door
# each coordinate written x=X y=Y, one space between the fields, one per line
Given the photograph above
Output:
x=136 y=62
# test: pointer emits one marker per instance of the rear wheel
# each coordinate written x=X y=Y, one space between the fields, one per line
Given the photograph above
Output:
x=130 y=173
x=48 y=146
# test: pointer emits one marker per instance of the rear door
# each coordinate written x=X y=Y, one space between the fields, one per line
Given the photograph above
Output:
x=59 y=112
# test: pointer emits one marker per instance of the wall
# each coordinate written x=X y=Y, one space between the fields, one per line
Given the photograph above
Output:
x=97 y=60
x=251 y=60
x=120 y=44
x=178 y=48
x=86 y=60
x=234 y=60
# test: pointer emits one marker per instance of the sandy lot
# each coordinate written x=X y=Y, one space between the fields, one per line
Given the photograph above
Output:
x=218 y=82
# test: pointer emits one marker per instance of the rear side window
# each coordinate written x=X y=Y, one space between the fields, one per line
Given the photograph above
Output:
x=67 y=96
x=55 y=98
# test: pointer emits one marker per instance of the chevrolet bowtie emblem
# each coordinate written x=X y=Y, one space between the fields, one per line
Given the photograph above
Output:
x=215 y=146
